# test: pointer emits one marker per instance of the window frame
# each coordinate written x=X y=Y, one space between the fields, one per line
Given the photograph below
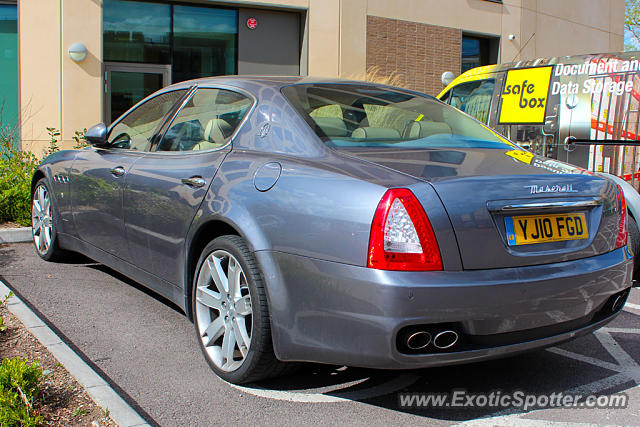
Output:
x=154 y=135
x=169 y=122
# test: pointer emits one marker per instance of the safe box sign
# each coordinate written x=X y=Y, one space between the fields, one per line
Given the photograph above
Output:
x=524 y=97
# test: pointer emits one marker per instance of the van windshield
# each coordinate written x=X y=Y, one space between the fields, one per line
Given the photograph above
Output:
x=352 y=116
x=474 y=98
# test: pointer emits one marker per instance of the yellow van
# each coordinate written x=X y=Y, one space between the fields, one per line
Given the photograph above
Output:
x=541 y=102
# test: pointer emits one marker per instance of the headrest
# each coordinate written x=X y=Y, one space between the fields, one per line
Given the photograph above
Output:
x=375 y=133
x=331 y=126
x=217 y=130
x=423 y=129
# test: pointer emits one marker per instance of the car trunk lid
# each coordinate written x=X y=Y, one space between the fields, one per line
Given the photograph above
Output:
x=509 y=208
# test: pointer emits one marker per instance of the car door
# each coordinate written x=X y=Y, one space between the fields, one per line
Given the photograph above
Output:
x=166 y=186
x=98 y=174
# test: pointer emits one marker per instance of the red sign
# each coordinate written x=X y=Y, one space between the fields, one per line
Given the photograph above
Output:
x=252 y=23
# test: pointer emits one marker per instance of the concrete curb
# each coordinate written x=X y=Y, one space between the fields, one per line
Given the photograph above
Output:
x=15 y=235
x=99 y=390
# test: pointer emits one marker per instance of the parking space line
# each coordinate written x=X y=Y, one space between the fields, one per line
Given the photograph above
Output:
x=601 y=384
x=396 y=383
x=520 y=422
x=621 y=330
x=585 y=359
x=614 y=349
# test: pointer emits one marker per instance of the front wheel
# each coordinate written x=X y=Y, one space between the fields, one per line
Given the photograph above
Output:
x=231 y=315
x=43 y=227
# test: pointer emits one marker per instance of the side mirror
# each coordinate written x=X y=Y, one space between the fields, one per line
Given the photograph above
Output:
x=550 y=126
x=97 y=135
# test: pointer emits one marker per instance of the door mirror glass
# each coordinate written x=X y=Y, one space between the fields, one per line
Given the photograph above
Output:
x=97 y=135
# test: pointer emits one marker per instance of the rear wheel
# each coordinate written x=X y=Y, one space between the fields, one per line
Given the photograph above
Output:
x=231 y=315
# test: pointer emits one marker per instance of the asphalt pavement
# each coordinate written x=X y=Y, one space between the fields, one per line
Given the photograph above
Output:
x=147 y=349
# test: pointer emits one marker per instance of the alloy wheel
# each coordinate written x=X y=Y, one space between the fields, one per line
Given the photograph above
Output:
x=41 y=219
x=224 y=314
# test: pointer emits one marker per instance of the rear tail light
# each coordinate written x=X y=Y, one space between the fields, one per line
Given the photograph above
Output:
x=401 y=235
x=622 y=230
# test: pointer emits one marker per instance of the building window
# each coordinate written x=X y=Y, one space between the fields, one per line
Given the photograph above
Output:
x=149 y=45
x=204 y=42
x=9 y=70
x=195 y=41
x=478 y=51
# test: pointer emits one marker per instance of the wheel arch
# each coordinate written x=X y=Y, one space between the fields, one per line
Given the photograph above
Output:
x=37 y=176
x=202 y=235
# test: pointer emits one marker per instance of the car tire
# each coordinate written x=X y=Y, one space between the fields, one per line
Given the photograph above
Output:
x=634 y=242
x=43 y=224
x=241 y=310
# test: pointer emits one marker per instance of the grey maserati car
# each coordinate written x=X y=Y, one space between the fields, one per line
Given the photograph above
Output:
x=340 y=222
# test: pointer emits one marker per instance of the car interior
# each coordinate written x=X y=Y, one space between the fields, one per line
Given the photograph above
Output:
x=206 y=122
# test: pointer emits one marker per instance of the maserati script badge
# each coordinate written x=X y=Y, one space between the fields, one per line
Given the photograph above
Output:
x=538 y=189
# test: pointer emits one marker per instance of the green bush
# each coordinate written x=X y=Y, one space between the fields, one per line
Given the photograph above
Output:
x=16 y=170
x=19 y=382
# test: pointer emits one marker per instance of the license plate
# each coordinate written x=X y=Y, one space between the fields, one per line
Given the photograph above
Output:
x=525 y=230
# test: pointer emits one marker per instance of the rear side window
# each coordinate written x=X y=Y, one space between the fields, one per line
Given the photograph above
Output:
x=206 y=122
x=352 y=116
x=474 y=98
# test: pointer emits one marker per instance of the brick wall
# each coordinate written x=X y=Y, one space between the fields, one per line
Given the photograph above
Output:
x=419 y=53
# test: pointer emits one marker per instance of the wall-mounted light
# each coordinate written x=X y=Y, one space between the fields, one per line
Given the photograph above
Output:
x=77 y=52
x=512 y=37
x=447 y=77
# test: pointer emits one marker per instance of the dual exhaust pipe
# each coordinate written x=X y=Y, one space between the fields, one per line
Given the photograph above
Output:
x=420 y=340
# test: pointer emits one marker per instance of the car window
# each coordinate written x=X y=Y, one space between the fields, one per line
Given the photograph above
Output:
x=474 y=98
x=356 y=116
x=135 y=130
x=207 y=121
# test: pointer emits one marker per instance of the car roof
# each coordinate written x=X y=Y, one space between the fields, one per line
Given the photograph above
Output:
x=244 y=81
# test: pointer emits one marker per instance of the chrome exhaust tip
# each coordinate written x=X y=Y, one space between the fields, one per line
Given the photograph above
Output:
x=445 y=339
x=419 y=340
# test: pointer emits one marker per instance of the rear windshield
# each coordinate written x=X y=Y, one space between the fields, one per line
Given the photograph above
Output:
x=353 y=116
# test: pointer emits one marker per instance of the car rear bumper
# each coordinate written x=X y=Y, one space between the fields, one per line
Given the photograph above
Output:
x=334 y=313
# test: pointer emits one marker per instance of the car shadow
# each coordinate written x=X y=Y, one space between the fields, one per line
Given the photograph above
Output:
x=121 y=277
x=76 y=258
x=537 y=373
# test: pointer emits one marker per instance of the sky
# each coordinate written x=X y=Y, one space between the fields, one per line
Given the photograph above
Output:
x=630 y=42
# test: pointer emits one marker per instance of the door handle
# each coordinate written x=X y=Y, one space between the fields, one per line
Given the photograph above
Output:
x=117 y=171
x=194 y=181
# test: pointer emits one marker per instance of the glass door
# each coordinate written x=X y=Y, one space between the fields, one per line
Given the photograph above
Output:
x=128 y=83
